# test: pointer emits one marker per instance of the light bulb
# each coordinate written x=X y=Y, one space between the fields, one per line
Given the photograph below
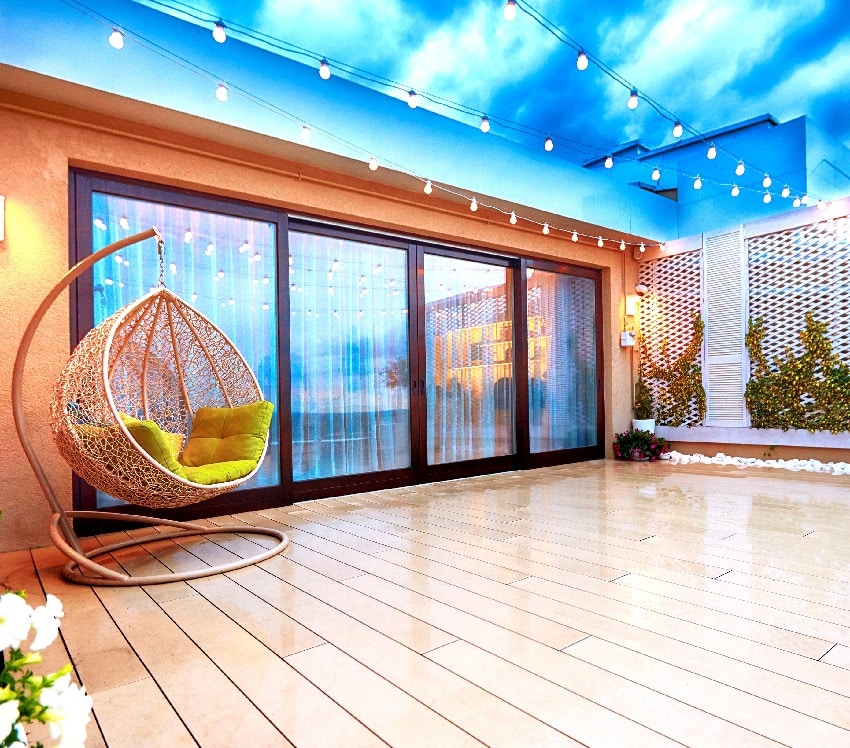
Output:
x=187 y=236
x=633 y=99
x=513 y=217
x=581 y=60
x=735 y=190
x=711 y=154
x=548 y=144
x=98 y=222
x=767 y=198
x=622 y=245
x=219 y=34
x=698 y=183
x=786 y=191
x=546 y=228
x=678 y=130
x=221 y=273
x=796 y=202
x=662 y=247
x=510 y=10
x=412 y=99
x=428 y=188
x=821 y=204
x=473 y=205
x=305 y=133
x=804 y=199
x=324 y=69
x=575 y=236
x=221 y=92
x=740 y=169
x=767 y=181
x=642 y=248
x=609 y=162
x=124 y=222
x=373 y=164
x=600 y=243
x=485 y=124
x=116 y=39
x=656 y=174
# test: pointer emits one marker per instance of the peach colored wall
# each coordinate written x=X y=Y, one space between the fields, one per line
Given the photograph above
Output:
x=42 y=140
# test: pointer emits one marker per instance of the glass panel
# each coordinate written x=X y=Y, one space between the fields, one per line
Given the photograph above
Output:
x=222 y=265
x=468 y=359
x=561 y=361
x=349 y=357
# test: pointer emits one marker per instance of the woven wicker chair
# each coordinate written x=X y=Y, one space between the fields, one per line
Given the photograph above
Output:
x=161 y=360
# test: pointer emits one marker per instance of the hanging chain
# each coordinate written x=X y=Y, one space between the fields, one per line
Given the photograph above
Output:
x=160 y=248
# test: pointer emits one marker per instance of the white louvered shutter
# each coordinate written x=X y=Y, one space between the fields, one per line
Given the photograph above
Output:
x=724 y=304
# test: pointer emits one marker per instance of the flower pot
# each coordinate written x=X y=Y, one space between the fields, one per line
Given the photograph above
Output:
x=644 y=424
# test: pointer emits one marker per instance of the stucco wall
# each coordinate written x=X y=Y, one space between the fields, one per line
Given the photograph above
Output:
x=41 y=141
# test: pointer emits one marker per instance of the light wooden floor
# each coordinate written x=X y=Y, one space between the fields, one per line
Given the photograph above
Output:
x=603 y=604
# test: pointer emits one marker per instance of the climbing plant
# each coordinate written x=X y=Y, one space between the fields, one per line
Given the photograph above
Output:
x=810 y=391
x=679 y=394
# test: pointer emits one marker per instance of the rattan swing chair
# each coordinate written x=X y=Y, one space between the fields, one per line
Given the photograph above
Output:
x=148 y=368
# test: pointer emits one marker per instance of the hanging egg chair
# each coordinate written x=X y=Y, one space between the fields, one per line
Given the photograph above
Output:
x=155 y=407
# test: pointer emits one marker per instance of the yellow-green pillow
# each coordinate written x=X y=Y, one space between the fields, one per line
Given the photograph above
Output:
x=157 y=443
x=228 y=434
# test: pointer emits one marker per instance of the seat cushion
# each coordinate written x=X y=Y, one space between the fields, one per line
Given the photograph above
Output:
x=219 y=472
x=223 y=435
x=156 y=442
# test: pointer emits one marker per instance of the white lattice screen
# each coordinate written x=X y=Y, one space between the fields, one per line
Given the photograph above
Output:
x=805 y=269
x=666 y=312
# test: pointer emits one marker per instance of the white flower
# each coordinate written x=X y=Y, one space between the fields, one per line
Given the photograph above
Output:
x=45 y=621
x=8 y=717
x=68 y=709
x=14 y=620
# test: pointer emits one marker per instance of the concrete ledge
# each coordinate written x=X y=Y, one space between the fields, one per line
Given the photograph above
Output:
x=777 y=437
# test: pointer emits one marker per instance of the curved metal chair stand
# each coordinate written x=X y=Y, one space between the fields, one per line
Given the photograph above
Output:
x=82 y=568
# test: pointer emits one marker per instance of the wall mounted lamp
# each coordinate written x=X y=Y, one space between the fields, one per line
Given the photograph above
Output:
x=632 y=302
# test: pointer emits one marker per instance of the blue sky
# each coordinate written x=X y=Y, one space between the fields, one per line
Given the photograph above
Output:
x=711 y=62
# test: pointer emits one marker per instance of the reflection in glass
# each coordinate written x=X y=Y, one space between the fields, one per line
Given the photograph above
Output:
x=222 y=265
x=561 y=361
x=469 y=360
x=349 y=357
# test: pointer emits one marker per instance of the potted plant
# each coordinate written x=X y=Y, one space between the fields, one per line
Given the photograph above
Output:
x=644 y=419
x=640 y=445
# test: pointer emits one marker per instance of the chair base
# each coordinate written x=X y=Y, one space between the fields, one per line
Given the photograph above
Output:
x=82 y=569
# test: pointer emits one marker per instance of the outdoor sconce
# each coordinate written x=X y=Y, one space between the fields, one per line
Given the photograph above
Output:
x=2 y=217
x=632 y=302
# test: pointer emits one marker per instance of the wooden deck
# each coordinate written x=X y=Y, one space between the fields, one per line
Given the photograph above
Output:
x=600 y=604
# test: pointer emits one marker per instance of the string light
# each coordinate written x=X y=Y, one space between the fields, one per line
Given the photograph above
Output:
x=548 y=144
x=678 y=130
x=219 y=33
x=485 y=124
x=305 y=133
x=373 y=164
x=642 y=248
x=510 y=10
x=600 y=243
x=473 y=205
x=546 y=228
x=116 y=39
x=786 y=191
x=221 y=92
x=324 y=69
x=633 y=99
x=656 y=174
x=767 y=198
x=796 y=202
x=767 y=181
x=622 y=245
x=575 y=236
x=740 y=169
x=124 y=223
x=581 y=60
x=735 y=190
x=804 y=199
x=220 y=274
x=662 y=247
x=711 y=154
x=821 y=204
x=609 y=162
x=98 y=222
x=412 y=99
x=698 y=183
x=513 y=217
x=187 y=236
x=428 y=188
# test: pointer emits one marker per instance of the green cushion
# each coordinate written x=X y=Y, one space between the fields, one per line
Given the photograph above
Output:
x=219 y=472
x=155 y=442
x=224 y=435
